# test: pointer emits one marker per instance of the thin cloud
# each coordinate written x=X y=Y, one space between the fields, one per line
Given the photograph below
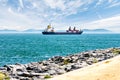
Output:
x=108 y=23
x=107 y=3
x=115 y=4
x=99 y=2
x=21 y=3
x=25 y=14
x=99 y=16
x=54 y=4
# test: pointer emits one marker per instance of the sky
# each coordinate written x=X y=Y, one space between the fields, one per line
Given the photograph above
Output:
x=37 y=14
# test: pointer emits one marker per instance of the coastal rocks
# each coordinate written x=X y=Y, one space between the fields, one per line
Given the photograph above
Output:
x=68 y=68
x=24 y=74
x=57 y=59
x=57 y=65
x=60 y=71
x=52 y=72
x=86 y=54
x=15 y=68
x=3 y=68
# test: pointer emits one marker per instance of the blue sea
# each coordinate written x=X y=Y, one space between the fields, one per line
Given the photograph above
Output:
x=26 y=48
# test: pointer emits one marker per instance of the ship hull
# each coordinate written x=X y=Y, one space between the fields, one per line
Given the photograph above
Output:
x=62 y=33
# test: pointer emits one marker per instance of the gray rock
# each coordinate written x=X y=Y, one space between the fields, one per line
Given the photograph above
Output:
x=83 y=64
x=60 y=71
x=86 y=54
x=68 y=68
x=76 y=66
x=38 y=70
x=3 y=68
x=94 y=54
x=8 y=67
x=45 y=63
x=24 y=74
x=39 y=74
x=101 y=59
x=74 y=59
x=57 y=59
x=25 y=78
x=37 y=78
x=52 y=72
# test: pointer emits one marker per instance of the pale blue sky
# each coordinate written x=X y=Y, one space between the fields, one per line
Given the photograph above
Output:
x=36 y=14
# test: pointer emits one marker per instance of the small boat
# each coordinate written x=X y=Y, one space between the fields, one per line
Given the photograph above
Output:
x=50 y=31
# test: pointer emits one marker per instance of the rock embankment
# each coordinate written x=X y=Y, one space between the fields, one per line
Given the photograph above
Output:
x=57 y=65
x=105 y=70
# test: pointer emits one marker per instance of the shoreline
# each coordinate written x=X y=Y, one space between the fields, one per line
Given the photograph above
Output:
x=57 y=65
x=105 y=70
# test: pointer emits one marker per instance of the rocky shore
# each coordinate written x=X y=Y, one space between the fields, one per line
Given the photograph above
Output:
x=57 y=65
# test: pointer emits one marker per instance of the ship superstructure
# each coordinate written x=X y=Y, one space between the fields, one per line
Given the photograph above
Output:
x=50 y=30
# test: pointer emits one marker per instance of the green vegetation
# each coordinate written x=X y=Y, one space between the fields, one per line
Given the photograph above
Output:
x=47 y=76
x=4 y=76
x=66 y=61
x=116 y=51
x=95 y=60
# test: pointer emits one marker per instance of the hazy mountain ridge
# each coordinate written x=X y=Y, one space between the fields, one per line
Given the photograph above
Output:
x=28 y=30
x=96 y=31
x=32 y=30
x=7 y=30
x=40 y=30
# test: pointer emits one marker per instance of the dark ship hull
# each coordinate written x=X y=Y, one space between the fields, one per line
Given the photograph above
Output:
x=62 y=33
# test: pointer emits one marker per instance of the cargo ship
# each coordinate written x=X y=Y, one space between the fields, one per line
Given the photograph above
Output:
x=50 y=31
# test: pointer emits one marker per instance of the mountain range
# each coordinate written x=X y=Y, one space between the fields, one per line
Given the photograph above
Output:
x=96 y=31
x=39 y=31
x=7 y=30
x=32 y=30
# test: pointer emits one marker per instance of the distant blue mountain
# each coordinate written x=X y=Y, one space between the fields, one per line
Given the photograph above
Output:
x=85 y=31
x=96 y=31
x=28 y=30
x=32 y=30
x=7 y=30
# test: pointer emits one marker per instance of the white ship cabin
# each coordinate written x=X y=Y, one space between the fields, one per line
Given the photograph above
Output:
x=49 y=29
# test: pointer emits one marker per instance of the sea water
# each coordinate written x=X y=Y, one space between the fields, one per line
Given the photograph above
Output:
x=26 y=48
